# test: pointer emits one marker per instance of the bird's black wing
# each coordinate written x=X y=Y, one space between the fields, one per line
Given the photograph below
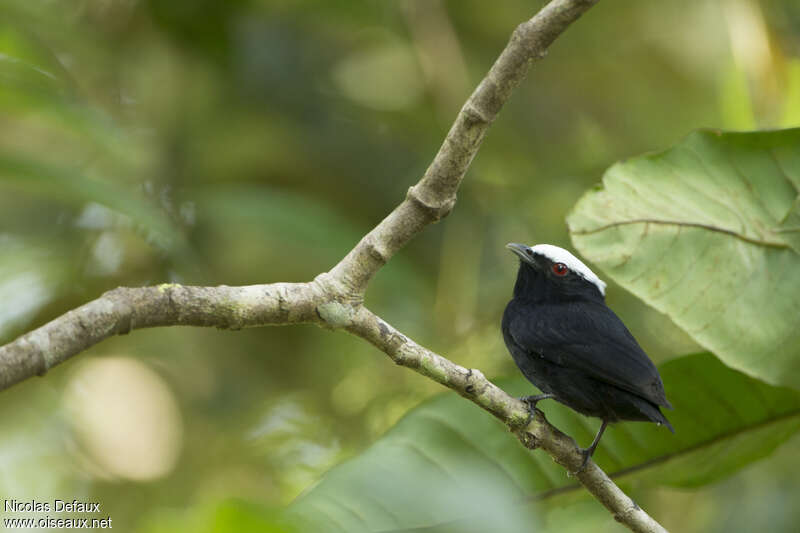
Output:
x=589 y=337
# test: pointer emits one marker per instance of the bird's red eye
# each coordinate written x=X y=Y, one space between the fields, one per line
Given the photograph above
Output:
x=560 y=269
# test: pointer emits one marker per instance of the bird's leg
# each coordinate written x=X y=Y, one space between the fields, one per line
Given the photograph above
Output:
x=531 y=401
x=587 y=453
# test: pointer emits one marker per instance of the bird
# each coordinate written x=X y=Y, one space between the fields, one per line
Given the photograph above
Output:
x=569 y=344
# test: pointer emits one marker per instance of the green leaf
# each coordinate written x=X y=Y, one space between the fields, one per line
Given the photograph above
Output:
x=31 y=273
x=18 y=173
x=39 y=98
x=446 y=457
x=708 y=232
x=295 y=218
x=25 y=63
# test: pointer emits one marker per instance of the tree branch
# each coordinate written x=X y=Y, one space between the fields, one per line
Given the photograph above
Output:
x=435 y=195
x=122 y=310
x=334 y=299
x=539 y=433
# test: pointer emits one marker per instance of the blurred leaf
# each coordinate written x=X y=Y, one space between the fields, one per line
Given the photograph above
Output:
x=200 y=25
x=384 y=77
x=708 y=232
x=791 y=109
x=735 y=102
x=723 y=421
x=40 y=99
x=229 y=516
x=73 y=187
x=30 y=275
x=289 y=216
x=27 y=64
x=34 y=462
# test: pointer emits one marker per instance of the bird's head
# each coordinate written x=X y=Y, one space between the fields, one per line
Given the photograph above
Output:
x=547 y=272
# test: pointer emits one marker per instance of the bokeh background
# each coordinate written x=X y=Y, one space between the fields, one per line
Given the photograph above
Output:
x=248 y=141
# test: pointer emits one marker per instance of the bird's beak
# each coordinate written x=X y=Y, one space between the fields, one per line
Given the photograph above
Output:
x=521 y=251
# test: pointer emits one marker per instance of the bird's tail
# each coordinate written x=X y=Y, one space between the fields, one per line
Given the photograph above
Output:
x=665 y=422
x=653 y=413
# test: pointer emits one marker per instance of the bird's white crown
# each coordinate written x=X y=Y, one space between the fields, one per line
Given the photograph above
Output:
x=560 y=255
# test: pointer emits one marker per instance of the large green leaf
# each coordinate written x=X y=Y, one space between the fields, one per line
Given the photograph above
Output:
x=708 y=232
x=446 y=457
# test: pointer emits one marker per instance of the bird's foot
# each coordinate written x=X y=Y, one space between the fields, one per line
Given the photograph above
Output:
x=587 y=454
x=531 y=401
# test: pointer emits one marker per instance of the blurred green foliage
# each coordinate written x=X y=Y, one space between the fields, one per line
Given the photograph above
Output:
x=445 y=455
x=249 y=141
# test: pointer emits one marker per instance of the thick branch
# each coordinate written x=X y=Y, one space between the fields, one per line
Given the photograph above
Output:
x=435 y=195
x=124 y=309
x=471 y=384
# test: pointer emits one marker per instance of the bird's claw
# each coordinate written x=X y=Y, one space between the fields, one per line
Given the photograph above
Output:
x=536 y=398
x=531 y=402
x=587 y=454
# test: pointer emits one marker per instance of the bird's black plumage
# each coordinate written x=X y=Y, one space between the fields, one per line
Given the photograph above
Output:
x=569 y=344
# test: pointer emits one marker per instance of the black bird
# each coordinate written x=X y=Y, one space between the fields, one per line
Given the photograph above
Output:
x=569 y=344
